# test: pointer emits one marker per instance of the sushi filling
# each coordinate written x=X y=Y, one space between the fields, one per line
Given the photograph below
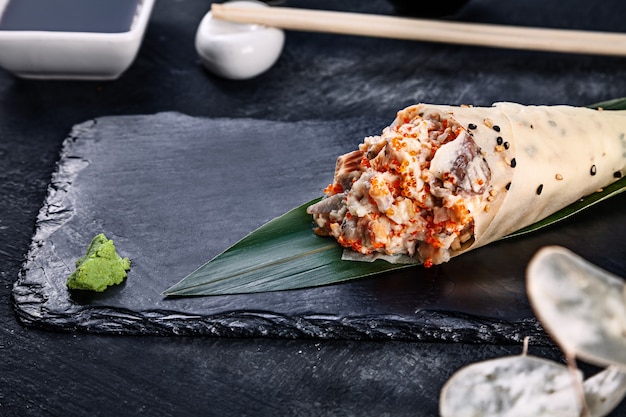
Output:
x=410 y=191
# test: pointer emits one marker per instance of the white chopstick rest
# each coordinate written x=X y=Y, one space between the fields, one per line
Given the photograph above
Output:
x=238 y=50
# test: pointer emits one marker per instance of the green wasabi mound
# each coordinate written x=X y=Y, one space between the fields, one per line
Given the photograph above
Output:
x=100 y=268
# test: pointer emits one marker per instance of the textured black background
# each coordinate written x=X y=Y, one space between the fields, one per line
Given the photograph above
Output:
x=318 y=76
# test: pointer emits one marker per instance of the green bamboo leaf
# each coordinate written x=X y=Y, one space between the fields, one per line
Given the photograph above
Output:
x=282 y=254
x=285 y=254
x=615 y=104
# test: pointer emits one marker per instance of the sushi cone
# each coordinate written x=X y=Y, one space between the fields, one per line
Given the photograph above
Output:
x=443 y=180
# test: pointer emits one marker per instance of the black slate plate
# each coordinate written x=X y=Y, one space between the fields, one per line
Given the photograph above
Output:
x=173 y=191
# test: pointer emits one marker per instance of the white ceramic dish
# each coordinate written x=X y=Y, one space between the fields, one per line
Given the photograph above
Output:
x=52 y=54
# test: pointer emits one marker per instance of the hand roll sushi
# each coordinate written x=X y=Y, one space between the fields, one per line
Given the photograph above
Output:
x=442 y=180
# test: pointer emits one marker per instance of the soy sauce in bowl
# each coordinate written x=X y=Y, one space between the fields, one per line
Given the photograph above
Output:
x=100 y=16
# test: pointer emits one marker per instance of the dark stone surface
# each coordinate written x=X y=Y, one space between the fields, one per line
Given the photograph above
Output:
x=318 y=78
x=173 y=205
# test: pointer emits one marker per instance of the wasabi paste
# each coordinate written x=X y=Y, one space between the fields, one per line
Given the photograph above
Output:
x=99 y=268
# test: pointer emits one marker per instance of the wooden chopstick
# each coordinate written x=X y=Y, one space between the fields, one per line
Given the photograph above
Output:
x=490 y=35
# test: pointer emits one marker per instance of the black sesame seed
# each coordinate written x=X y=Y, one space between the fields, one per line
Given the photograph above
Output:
x=472 y=126
x=508 y=186
x=593 y=170
x=506 y=145
x=496 y=128
x=499 y=140
x=617 y=174
x=513 y=163
x=539 y=189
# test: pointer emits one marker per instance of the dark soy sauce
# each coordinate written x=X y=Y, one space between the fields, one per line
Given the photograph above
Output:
x=103 y=16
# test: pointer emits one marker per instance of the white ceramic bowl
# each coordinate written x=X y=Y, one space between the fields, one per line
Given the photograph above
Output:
x=238 y=51
x=51 y=54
